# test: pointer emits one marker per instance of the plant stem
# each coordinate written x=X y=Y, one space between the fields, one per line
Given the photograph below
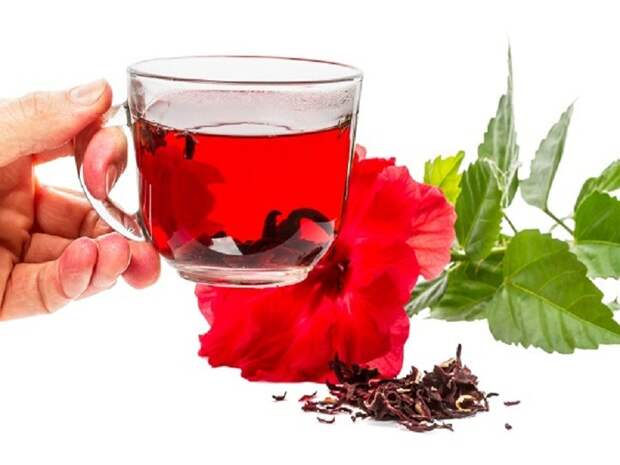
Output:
x=555 y=225
x=458 y=256
x=559 y=222
x=497 y=250
x=510 y=223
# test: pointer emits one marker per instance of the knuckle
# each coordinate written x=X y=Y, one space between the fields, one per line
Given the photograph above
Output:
x=34 y=105
x=45 y=303
x=93 y=226
x=18 y=118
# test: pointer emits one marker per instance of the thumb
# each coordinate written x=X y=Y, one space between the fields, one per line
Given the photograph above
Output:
x=44 y=121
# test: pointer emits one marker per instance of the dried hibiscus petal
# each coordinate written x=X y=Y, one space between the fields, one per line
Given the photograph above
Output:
x=418 y=403
x=307 y=397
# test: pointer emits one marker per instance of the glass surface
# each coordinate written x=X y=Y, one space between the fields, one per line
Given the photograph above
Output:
x=243 y=163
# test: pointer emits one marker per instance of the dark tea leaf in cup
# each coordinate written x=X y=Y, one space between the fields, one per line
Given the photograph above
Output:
x=190 y=146
x=241 y=201
x=151 y=137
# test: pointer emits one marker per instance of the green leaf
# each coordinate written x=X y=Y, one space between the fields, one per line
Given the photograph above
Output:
x=470 y=287
x=500 y=142
x=426 y=293
x=608 y=181
x=546 y=299
x=444 y=174
x=479 y=210
x=597 y=235
x=536 y=188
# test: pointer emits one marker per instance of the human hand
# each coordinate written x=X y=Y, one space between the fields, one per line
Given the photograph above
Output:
x=53 y=246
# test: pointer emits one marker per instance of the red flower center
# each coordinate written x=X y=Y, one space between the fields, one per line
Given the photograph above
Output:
x=333 y=275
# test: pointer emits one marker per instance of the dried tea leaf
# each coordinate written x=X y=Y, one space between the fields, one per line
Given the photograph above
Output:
x=307 y=397
x=419 y=403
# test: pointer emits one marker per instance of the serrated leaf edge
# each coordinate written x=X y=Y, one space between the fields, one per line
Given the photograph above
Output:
x=566 y=115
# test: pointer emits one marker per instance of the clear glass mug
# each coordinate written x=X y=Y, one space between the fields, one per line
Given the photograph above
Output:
x=242 y=164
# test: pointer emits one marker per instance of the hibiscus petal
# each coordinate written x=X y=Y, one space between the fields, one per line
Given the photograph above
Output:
x=370 y=260
x=206 y=295
x=352 y=303
x=433 y=230
x=290 y=336
x=359 y=152
x=363 y=331
x=380 y=203
x=292 y=333
x=246 y=325
x=390 y=364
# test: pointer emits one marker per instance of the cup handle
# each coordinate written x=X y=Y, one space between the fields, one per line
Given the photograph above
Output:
x=127 y=224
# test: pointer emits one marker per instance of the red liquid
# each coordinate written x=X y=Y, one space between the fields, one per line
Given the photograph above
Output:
x=241 y=201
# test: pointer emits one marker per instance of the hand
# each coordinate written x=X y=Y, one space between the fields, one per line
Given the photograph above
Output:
x=53 y=246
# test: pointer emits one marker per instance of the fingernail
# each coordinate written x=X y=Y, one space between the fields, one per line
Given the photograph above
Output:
x=89 y=93
x=110 y=178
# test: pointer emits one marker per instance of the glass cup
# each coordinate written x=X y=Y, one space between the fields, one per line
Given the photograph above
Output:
x=242 y=164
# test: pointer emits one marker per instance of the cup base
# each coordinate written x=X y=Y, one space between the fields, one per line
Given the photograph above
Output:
x=242 y=277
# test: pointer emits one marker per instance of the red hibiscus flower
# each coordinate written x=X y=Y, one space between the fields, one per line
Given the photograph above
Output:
x=352 y=303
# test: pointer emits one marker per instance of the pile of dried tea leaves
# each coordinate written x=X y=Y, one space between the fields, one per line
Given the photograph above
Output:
x=418 y=402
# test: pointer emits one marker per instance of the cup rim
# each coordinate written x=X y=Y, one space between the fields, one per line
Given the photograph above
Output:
x=353 y=75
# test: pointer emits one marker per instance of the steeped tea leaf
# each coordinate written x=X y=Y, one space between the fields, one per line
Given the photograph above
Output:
x=597 y=235
x=500 y=142
x=426 y=293
x=444 y=174
x=546 y=299
x=479 y=210
x=470 y=287
x=608 y=181
x=536 y=188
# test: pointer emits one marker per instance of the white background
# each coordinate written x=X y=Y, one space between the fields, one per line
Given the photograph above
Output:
x=116 y=378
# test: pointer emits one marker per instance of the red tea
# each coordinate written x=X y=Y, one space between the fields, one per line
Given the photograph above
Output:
x=241 y=199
